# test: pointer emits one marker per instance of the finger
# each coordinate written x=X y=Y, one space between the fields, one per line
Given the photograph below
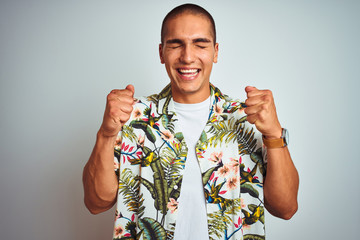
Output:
x=252 y=91
x=116 y=107
x=265 y=97
x=117 y=99
x=253 y=109
x=254 y=100
x=251 y=118
x=127 y=108
x=131 y=88
x=123 y=117
x=122 y=92
x=250 y=88
x=119 y=114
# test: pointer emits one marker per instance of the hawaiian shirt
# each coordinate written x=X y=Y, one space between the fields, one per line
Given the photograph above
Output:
x=150 y=156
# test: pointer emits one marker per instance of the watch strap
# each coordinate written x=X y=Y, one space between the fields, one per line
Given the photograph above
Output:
x=277 y=142
x=273 y=143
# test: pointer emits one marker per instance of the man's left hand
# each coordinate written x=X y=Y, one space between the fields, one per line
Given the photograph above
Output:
x=261 y=111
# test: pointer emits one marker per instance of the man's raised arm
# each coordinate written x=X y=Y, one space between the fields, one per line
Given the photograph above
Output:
x=99 y=178
x=282 y=180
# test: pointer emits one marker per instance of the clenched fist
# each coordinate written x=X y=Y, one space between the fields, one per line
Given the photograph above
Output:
x=119 y=106
x=261 y=111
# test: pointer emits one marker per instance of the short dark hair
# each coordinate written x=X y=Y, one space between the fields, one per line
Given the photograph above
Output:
x=188 y=8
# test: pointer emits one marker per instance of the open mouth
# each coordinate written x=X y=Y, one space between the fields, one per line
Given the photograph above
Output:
x=188 y=72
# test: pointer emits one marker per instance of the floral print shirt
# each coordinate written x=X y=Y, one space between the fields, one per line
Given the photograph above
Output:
x=150 y=156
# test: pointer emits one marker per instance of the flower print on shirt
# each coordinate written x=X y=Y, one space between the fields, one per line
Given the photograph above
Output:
x=216 y=157
x=141 y=140
x=233 y=182
x=153 y=154
x=218 y=109
x=167 y=135
x=172 y=205
x=137 y=114
x=119 y=231
x=224 y=171
x=118 y=143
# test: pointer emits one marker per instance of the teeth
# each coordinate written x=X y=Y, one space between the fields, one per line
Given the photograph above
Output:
x=188 y=70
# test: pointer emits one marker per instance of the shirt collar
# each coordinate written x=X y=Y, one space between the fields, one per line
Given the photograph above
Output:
x=166 y=103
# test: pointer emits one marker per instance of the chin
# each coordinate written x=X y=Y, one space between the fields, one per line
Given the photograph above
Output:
x=189 y=89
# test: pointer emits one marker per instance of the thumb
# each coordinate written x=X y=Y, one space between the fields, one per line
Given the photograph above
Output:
x=131 y=88
x=250 y=88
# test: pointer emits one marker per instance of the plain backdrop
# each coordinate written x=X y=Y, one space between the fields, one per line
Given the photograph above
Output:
x=59 y=60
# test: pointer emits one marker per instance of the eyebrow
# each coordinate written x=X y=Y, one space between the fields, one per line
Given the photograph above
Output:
x=175 y=40
x=203 y=40
x=196 y=40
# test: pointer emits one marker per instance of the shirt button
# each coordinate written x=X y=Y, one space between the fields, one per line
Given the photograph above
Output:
x=176 y=187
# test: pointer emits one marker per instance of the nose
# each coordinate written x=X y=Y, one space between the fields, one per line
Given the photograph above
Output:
x=187 y=54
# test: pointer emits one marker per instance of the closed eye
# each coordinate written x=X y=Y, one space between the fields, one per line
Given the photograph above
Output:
x=174 y=43
x=174 y=46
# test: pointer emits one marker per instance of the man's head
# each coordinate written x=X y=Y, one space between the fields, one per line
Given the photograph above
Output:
x=188 y=51
x=191 y=9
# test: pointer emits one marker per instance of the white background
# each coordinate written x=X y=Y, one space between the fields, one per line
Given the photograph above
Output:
x=59 y=59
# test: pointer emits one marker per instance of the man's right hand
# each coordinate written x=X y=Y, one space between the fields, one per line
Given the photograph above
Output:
x=99 y=178
x=119 y=106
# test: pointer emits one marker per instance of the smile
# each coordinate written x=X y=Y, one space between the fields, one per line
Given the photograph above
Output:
x=188 y=72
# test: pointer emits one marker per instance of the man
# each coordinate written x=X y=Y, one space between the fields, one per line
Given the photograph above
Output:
x=189 y=161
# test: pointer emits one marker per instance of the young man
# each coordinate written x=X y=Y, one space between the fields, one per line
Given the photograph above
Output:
x=190 y=162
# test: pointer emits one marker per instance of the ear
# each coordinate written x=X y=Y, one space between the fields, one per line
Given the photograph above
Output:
x=216 y=53
x=161 y=53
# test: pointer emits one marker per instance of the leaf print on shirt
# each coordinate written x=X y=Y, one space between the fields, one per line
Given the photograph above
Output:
x=151 y=229
x=173 y=160
x=256 y=214
x=129 y=188
x=153 y=147
x=220 y=221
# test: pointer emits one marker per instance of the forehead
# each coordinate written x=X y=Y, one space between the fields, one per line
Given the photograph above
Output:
x=187 y=25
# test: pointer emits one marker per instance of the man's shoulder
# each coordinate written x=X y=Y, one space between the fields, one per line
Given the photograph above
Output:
x=165 y=93
x=227 y=103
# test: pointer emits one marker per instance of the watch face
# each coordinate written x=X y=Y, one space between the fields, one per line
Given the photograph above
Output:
x=285 y=134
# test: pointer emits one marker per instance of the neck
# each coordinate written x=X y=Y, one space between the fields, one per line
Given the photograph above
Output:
x=191 y=97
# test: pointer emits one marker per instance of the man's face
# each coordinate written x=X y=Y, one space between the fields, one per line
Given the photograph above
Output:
x=188 y=52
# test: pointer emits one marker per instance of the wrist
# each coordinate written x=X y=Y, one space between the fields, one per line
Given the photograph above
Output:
x=108 y=133
x=103 y=136
x=279 y=142
x=274 y=135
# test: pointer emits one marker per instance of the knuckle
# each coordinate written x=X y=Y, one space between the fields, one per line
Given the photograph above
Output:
x=112 y=103
x=113 y=113
x=262 y=116
x=268 y=92
x=109 y=97
x=126 y=107
x=267 y=98
x=126 y=92
x=124 y=117
x=250 y=118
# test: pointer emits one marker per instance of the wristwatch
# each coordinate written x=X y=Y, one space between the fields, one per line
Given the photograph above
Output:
x=283 y=141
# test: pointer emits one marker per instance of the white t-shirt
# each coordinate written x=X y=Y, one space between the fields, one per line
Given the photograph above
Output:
x=191 y=221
